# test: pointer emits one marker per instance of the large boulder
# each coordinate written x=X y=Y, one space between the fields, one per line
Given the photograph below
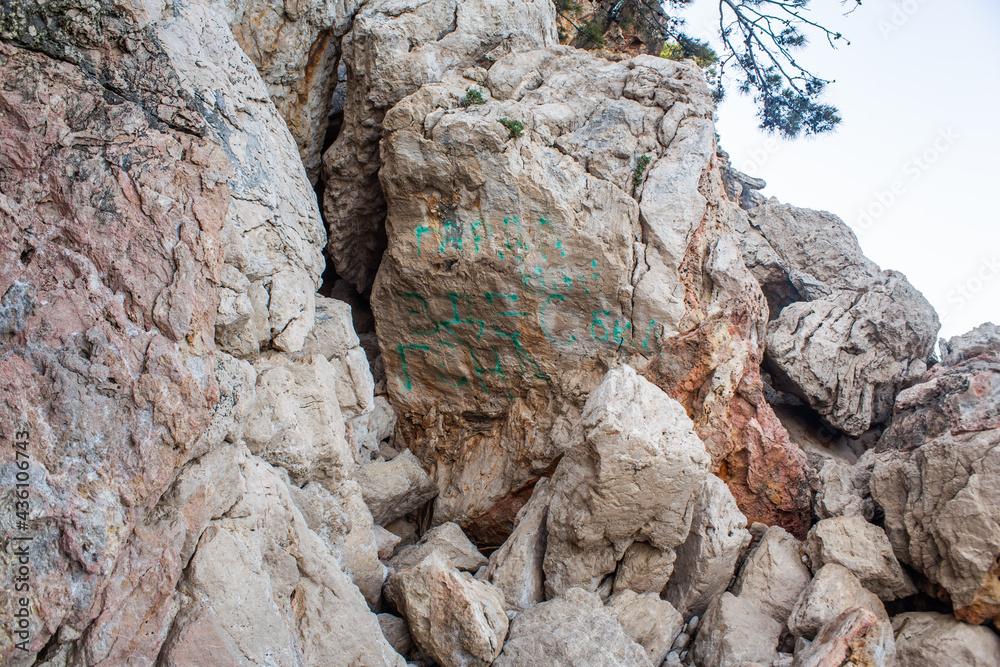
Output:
x=844 y=335
x=632 y=476
x=111 y=213
x=863 y=549
x=937 y=476
x=926 y=638
x=520 y=269
x=773 y=576
x=707 y=560
x=573 y=630
x=455 y=619
x=393 y=49
x=854 y=637
x=832 y=591
x=734 y=632
x=653 y=623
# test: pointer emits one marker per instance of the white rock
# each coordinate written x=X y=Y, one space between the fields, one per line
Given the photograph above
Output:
x=854 y=637
x=449 y=542
x=773 y=576
x=452 y=617
x=653 y=623
x=644 y=569
x=735 y=631
x=573 y=630
x=395 y=488
x=926 y=638
x=833 y=590
x=863 y=549
x=632 y=474
x=707 y=560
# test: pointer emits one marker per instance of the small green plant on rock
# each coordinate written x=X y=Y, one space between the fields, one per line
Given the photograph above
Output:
x=472 y=96
x=568 y=6
x=515 y=127
x=639 y=173
x=592 y=33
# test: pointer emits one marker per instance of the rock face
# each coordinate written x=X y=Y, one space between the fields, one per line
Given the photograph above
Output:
x=735 y=631
x=707 y=559
x=295 y=48
x=273 y=236
x=773 y=576
x=949 y=469
x=454 y=618
x=392 y=50
x=110 y=249
x=935 y=639
x=573 y=630
x=843 y=335
x=863 y=549
x=521 y=268
x=832 y=591
x=395 y=488
x=632 y=438
x=855 y=637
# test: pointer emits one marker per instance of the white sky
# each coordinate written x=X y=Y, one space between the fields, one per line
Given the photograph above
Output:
x=919 y=92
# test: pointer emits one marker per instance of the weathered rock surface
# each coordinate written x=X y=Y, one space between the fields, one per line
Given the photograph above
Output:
x=843 y=335
x=396 y=632
x=369 y=419
x=273 y=236
x=651 y=622
x=735 y=631
x=845 y=490
x=863 y=549
x=632 y=475
x=707 y=560
x=449 y=542
x=516 y=568
x=516 y=322
x=392 y=50
x=644 y=568
x=926 y=638
x=856 y=637
x=343 y=521
x=773 y=576
x=832 y=591
x=961 y=394
x=452 y=617
x=296 y=422
x=937 y=476
x=110 y=224
x=295 y=49
x=573 y=630
x=395 y=488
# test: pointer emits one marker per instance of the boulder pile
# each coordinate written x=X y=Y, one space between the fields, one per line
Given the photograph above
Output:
x=479 y=352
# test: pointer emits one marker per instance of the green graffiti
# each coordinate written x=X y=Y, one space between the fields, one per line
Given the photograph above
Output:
x=423 y=302
x=520 y=234
x=522 y=354
x=480 y=371
x=597 y=322
x=645 y=341
x=513 y=297
x=402 y=361
x=476 y=238
x=618 y=331
x=420 y=231
x=458 y=319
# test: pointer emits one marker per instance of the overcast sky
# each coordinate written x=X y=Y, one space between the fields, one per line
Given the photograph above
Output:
x=913 y=167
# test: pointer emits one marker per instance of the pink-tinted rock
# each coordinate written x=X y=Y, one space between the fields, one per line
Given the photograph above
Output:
x=109 y=248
